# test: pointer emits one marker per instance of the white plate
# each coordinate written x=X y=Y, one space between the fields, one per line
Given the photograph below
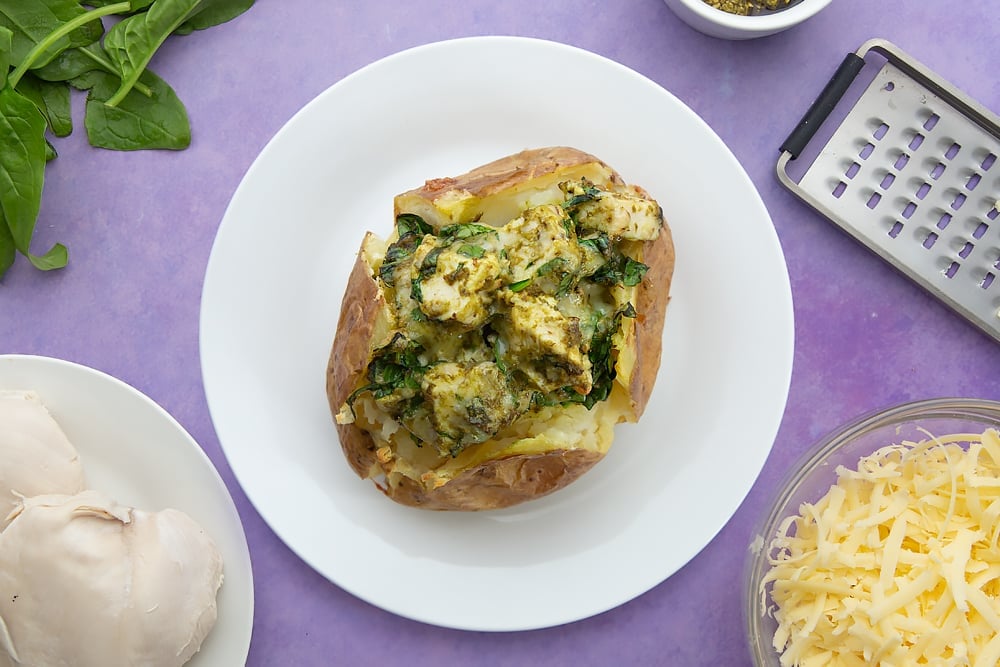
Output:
x=138 y=454
x=272 y=296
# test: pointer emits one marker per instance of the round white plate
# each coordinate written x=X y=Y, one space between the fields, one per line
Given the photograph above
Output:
x=139 y=455
x=272 y=296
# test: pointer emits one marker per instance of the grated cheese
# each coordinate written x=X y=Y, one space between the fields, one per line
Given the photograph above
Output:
x=897 y=564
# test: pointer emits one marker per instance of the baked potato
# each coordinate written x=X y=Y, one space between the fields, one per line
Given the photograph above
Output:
x=488 y=346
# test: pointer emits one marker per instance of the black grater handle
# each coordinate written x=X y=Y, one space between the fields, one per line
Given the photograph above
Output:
x=823 y=105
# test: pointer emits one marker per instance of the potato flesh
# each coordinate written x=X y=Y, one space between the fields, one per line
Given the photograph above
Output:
x=557 y=428
x=498 y=209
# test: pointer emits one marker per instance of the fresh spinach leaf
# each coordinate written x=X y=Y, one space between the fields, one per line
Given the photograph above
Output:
x=88 y=80
x=47 y=44
x=52 y=99
x=7 y=250
x=131 y=43
x=212 y=13
x=139 y=122
x=22 y=163
x=36 y=56
x=72 y=64
x=69 y=64
x=33 y=21
x=22 y=174
x=5 y=39
x=137 y=5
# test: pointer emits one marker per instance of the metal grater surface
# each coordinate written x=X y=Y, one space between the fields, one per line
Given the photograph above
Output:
x=912 y=177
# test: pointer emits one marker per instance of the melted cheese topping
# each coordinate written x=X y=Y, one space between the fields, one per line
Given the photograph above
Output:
x=898 y=564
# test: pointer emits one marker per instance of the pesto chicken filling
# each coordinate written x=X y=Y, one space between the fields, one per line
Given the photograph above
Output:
x=492 y=323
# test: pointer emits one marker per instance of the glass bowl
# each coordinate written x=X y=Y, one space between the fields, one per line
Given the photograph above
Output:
x=718 y=23
x=815 y=472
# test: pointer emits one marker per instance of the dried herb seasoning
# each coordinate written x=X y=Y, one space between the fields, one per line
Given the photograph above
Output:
x=747 y=7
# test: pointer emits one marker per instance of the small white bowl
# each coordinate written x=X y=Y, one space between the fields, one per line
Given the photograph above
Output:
x=717 y=23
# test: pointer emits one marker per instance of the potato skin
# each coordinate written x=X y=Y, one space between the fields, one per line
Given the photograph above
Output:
x=509 y=172
x=510 y=480
x=651 y=306
x=501 y=482
x=349 y=357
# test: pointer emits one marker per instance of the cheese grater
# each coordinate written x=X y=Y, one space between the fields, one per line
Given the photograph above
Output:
x=911 y=169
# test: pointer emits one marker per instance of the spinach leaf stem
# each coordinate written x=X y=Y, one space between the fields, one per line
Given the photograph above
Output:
x=107 y=65
x=63 y=30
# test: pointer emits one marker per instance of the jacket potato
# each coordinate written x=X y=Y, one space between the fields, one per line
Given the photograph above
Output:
x=488 y=346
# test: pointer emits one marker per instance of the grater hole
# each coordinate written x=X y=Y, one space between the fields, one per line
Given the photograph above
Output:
x=959 y=200
x=937 y=171
x=880 y=131
x=973 y=182
x=866 y=150
x=901 y=161
x=853 y=170
x=952 y=151
x=931 y=122
x=993 y=212
x=889 y=86
x=896 y=229
x=951 y=270
x=916 y=141
x=909 y=210
x=930 y=240
x=887 y=181
x=923 y=190
x=839 y=189
x=944 y=220
x=966 y=250
x=987 y=281
x=988 y=161
x=979 y=231
x=874 y=200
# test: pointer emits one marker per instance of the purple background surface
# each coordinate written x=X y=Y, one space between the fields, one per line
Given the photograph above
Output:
x=140 y=227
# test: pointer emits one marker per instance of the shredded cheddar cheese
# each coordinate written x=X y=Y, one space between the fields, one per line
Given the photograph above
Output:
x=898 y=564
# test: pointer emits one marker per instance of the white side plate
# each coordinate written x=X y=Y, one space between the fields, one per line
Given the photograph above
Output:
x=139 y=455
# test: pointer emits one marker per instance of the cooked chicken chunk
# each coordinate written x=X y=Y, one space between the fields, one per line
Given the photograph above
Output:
x=544 y=344
x=542 y=237
x=456 y=282
x=468 y=404
x=619 y=214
